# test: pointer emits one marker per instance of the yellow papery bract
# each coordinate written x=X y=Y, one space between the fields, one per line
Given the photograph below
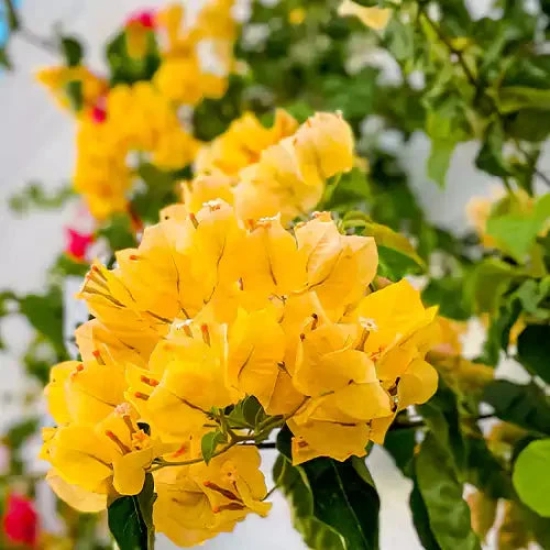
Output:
x=113 y=455
x=84 y=501
x=316 y=438
x=205 y=188
x=376 y=18
x=197 y=502
x=243 y=142
x=324 y=146
x=274 y=265
x=85 y=392
x=280 y=170
x=256 y=346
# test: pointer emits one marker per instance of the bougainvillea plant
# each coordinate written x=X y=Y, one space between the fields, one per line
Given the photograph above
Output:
x=247 y=272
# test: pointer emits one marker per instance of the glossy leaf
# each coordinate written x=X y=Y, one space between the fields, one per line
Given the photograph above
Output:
x=344 y=497
x=534 y=350
x=72 y=50
x=131 y=519
x=441 y=491
x=524 y=405
x=532 y=476
x=421 y=520
x=293 y=483
x=209 y=444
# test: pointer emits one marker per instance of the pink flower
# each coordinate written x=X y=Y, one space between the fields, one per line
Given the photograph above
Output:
x=98 y=114
x=20 y=522
x=78 y=244
x=145 y=18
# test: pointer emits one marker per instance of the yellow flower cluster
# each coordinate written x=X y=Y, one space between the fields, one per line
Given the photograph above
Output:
x=133 y=119
x=268 y=171
x=142 y=118
x=185 y=76
x=208 y=311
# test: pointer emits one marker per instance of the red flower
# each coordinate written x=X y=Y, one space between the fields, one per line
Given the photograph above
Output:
x=20 y=522
x=78 y=244
x=145 y=18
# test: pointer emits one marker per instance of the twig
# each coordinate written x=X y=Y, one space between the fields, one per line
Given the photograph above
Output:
x=37 y=41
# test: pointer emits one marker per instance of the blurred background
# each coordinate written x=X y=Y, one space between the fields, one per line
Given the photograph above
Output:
x=37 y=144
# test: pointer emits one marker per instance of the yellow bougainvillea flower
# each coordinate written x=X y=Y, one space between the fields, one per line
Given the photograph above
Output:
x=375 y=18
x=197 y=502
x=185 y=380
x=56 y=80
x=84 y=501
x=256 y=351
x=112 y=455
x=339 y=267
x=85 y=392
x=324 y=146
x=243 y=142
x=205 y=188
x=274 y=171
x=316 y=438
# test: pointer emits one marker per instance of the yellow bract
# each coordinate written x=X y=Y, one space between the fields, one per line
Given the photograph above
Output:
x=116 y=122
x=265 y=172
x=215 y=307
x=376 y=18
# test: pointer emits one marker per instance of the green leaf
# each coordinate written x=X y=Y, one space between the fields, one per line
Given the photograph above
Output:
x=524 y=405
x=488 y=282
x=253 y=411
x=498 y=335
x=534 y=350
x=344 y=497
x=45 y=314
x=441 y=414
x=421 y=519
x=531 y=476
x=400 y=444
x=75 y=94
x=394 y=265
x=72 y=50
x=12 y=17
x=515 y=98
x=209 y=444
x=447 y=293
x=131 y=519
x=441 y=491
x=119 y=232
x=441 y=153
x=400 y=38
x=293 y=483
x=4 y=59
x=490 y=157
x=35 y=196
x=388 y=238
x=351 y=190
x=485 y=471
x=515 y=233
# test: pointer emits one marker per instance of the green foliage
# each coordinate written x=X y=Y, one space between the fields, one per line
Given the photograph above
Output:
x=34 y=196
x=342 y=498
x=131 y=519
x=72 y=50
x=210 y=442
x=441 y=492
x=524 y=405
x=532 y=476
x=534 y=350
